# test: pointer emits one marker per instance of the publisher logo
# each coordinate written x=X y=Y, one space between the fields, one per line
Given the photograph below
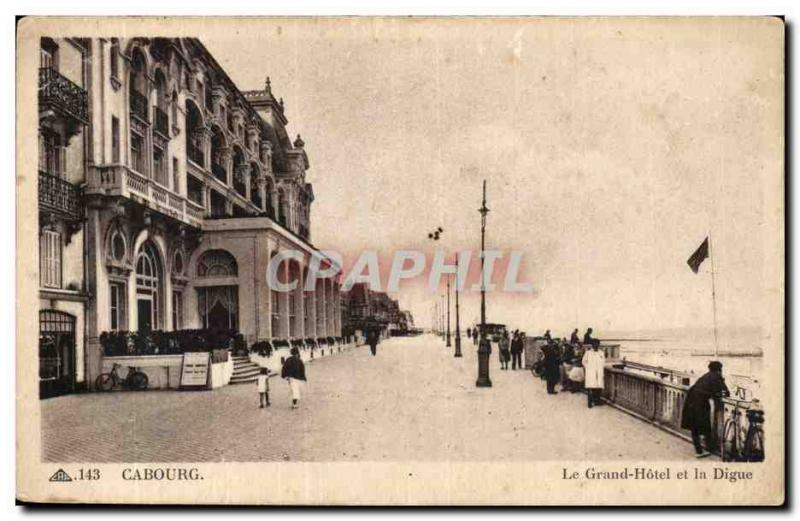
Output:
x=60 y=475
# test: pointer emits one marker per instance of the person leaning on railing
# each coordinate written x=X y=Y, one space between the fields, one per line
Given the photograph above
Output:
x=696 y=414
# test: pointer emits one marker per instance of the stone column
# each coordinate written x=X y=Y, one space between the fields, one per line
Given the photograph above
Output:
x=284 y=299
x=321 y=326
x=262 y=191
x=311 y=325
x=337 y=316
x=300 y=317
x=329 y=306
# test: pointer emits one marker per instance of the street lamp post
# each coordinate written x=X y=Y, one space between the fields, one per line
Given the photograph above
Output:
x=443 y=315
x=458 y=326
x=448 y=344
x=436 y=318
x=484 y=347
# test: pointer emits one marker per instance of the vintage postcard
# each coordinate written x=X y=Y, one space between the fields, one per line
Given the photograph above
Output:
x=401 y=261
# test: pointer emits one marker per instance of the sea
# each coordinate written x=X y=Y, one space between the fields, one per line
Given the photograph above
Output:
x=739 y=349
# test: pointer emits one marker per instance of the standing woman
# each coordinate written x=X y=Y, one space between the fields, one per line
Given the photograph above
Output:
x=505 y=354
x=594 y=362
x=295 y=372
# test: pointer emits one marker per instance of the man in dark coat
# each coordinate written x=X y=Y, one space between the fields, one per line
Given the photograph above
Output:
x=516 y=351
x=574 y=339
x=295 y=372
x=373 y=339
x=552 y=369
x=588 y=340
x=696 y=415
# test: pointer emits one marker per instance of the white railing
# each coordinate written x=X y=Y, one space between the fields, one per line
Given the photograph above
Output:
x=119 y=180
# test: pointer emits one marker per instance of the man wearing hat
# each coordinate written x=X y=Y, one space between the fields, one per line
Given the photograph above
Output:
x=696 y=415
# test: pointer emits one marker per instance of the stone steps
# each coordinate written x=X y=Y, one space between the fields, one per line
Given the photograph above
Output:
x=244 y=371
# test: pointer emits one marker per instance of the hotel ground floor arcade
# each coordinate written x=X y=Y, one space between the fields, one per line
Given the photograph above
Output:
x=147 y=271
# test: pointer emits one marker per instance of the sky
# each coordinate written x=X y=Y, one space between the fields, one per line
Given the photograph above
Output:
x=611 y=149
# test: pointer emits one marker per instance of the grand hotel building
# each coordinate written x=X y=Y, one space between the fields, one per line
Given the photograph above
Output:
x=163 y=192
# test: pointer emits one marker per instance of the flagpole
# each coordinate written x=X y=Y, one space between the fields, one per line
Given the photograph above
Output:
x=713 y=298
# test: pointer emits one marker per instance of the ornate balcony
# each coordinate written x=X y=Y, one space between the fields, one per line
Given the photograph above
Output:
x=119 y=180
x=60 y=94
x=59 y=197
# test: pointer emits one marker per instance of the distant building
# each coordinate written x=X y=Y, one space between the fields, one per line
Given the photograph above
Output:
x=361 y=306
x=163 y=192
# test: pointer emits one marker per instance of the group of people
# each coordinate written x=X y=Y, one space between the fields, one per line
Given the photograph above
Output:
x=577 y=364
x=293 y=371
x=573 y=364
x=511 y=350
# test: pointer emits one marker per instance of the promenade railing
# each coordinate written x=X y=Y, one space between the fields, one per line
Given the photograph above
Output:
x=660 y=402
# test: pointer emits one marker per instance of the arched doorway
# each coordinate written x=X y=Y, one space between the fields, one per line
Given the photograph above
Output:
x=218 y=304
x=56 y=353
x=148 y=288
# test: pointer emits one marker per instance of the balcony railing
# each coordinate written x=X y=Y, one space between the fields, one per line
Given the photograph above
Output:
x=121 y=181
x=60 y=196
x=58 y=92
x=161 y=121
x=139 y=105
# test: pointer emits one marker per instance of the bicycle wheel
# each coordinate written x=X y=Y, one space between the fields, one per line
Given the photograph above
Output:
x=139 y=381
x=730 y=442
x=104 y=382
x=754 y=445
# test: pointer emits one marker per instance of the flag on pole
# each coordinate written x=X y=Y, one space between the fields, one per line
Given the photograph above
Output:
x=698 y=256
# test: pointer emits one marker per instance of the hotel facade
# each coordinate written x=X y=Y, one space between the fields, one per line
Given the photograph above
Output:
x=164 y=191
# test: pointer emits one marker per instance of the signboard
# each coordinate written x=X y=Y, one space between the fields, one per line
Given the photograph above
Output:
x=195 y=369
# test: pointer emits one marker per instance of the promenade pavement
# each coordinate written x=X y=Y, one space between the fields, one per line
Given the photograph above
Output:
x=414 y=401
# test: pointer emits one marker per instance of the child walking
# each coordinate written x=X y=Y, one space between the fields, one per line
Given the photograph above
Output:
x=262 y=385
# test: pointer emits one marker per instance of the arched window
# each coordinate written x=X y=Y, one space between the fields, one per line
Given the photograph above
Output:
x=148 y=287
x=194 y=134
x=217 y=263
x=137 y=82
x=240 y=171
x=160 y=108
x=218 y=158
x=218 y=306
x=175 y=107
x=147 y=272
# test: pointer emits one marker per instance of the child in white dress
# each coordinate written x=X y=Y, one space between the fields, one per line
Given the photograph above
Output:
x=262 y=385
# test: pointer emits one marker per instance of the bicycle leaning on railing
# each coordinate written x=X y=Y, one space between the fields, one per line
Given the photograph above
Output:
x=738 y=445
x=135 y=380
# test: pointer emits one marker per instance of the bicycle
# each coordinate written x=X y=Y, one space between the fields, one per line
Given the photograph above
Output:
x=135 y=380
x=741 y=445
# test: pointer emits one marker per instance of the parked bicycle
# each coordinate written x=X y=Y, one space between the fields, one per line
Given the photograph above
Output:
x=135 y=380
x=741 y=445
